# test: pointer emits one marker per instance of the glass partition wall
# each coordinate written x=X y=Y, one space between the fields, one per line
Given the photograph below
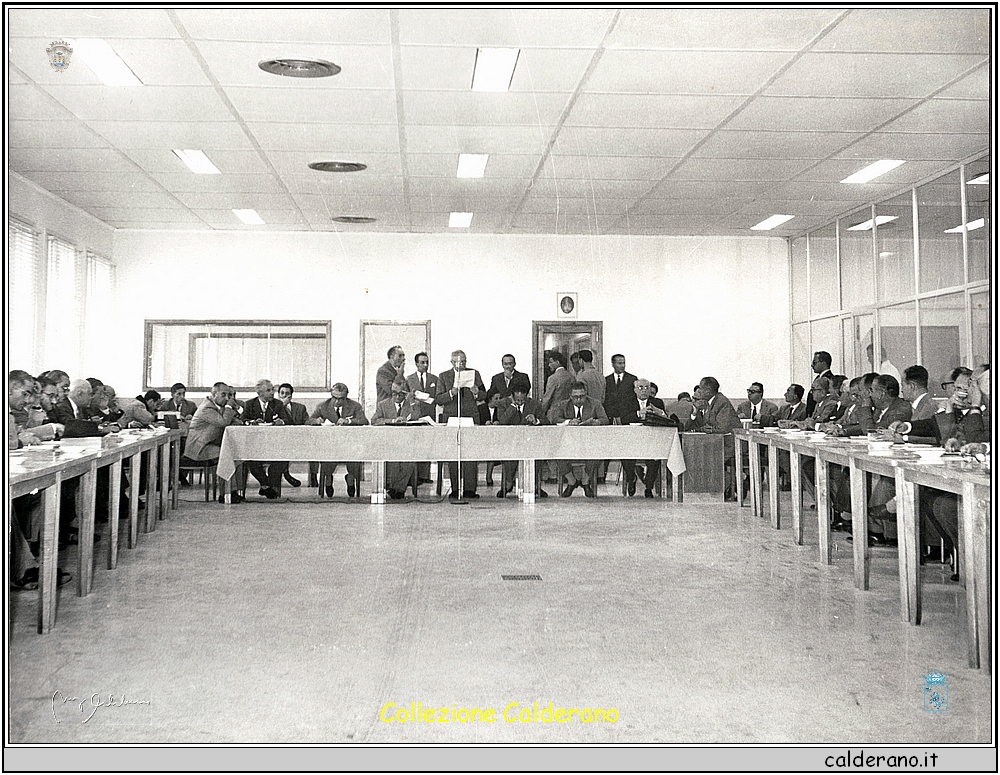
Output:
x=901 y=282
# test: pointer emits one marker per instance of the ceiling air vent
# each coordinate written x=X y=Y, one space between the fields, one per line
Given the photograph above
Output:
x=338 y=166
x=353 y=219
x=299 y=68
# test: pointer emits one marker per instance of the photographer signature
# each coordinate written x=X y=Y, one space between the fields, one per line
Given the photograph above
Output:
x=93 y=703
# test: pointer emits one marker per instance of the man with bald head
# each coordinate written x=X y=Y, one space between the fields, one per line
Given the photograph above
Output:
x=389 y=372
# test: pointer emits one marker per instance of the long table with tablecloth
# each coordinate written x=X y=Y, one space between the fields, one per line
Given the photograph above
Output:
x=970 y=481
x=415 y=443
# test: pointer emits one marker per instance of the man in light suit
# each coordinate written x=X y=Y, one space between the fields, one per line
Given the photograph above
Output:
x=388 y=372
x=398 y=409
x=648 y=406
x=560 y=382
x=216 y=413
x=426 y=382
x=578 y=409
x=521 y=410
x=340 y=410
x=297 y=415
x=455 y=402
x=266 y=409
x=758 y=409
x=591 y=377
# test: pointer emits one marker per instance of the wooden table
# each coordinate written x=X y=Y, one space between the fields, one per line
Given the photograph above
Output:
x=382 y=443
x=705 y=461
x=967 y=480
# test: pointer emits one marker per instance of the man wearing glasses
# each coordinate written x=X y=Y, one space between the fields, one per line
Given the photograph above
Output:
x=339 y=410
x=398 y=409
x=761 y=412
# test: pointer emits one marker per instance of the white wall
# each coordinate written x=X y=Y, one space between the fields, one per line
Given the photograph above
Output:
x=679 y=308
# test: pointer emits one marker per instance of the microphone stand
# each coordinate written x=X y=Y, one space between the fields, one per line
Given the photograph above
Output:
x=460 y=501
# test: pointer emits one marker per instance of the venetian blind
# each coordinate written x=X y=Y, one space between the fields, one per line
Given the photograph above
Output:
x=98 y=316
x=63 y=308
x=24 y=279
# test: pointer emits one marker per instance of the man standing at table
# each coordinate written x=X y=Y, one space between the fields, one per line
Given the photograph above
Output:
x=619 y=401
x=340 y=410
x=578 y=409
x=398 y=410
x=389 y=372
x=204 y=442
x=266 y=409
x=423 y=381
x=455 y=401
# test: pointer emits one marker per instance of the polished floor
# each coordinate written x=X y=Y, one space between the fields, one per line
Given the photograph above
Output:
x=308 y=621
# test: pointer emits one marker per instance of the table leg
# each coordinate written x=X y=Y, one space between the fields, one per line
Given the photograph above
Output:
x=135 y=466
x=795 y=474
x=859 y=526
x=739 y=468
x=820 y=469
x=662 y=482
x=378 y=482
x=165 y=468
x=678 y=488
x=528 y=476
x=755 y=501
x=909 y=540
x=85 y=502
x=49 y=557
x=152 y=474
x=114 y=503
x=975 y=571
x=773 y=485
x=175 y=470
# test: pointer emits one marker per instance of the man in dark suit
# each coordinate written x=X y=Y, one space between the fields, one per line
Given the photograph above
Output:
x=521 y=410
x=578 y=409
x=500 y=386
x=388 y=372
x=718 y=415
x=297 y=415
x=460 y=401
x=340 y=410
x=178 y=402
x=398 y=409
x=619 y=401
x=266 y=409
x=821 y=363
x=424 y=381
x=794 y=410
x=758 y=409
x=648 y=406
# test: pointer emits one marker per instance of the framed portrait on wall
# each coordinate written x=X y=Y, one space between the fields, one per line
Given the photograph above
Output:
x=566 y=304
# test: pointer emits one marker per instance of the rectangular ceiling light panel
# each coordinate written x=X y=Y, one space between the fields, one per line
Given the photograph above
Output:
x=460 y=220
x=472 y=165
x=770 y=223
x=197 y=162
x=249 y=217
x=106 y=64
x=873 y=171
x=494 y=69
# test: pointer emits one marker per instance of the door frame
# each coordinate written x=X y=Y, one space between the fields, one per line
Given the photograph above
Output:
x=539 y=328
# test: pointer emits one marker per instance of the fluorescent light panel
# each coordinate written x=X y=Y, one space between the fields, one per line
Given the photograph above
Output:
x=472 y=165
x=197 y=162
x=460 y=220
x=249 y=217
x=770 y=223
x=494 y=69
x=872 y=171
x=105 y=63
x=970 y=226
x=980 y=180
x=879 y=220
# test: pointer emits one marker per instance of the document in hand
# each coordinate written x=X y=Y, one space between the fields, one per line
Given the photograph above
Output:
x=465 y=378
x=420 y=395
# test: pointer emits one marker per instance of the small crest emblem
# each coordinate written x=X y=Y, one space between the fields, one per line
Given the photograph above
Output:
x=59 y=52
x=935 y=693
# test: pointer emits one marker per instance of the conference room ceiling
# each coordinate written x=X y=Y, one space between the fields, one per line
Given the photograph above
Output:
x=631 y=122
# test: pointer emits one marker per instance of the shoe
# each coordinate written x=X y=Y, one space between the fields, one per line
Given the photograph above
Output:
x=588 y=490
x=313 y=482
x=502 y=494
x=329 y=491
x=235 y=498
x=184 y=481
x=292 y=480
x=955 y=577
x=879 y=539
x=395 y=495
x=272 y=494
x=453 y=496
x=568 y=490
x=840 y=526
x=648 y=493
x=470 y=495
x=350 y=488
x=542 y=494
x=631 y=488
x=263 y=491
x=933 y=554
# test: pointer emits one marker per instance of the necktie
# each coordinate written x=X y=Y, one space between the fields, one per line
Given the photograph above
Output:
x=423 y=382
x=399 y=410
x=753 y=413
x=496 y=414
x=578 y=413
x=338 y=413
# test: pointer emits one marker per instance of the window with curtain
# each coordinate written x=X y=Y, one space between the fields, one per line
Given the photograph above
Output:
x=23 y=282
x=99 y=321
x=63 y=308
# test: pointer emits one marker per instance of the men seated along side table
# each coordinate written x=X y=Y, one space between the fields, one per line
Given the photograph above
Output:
x=646 y=406
x=339 y=410
x=204 y=442
x=398 y=409
x=521 y=410
x=578 y=409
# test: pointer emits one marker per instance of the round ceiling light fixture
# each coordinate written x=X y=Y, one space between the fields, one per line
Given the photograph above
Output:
x=354 y=219
x=299 y=68
x=338 y=166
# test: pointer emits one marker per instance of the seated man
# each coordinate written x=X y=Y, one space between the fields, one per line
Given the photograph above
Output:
x=521 y=410
x=683 y=409
x=339 y=410
x=266 y=409
x=718 y=415
x=647 y=405
x=398 y=409
x=793 y=410
x=578 y=409
x=297 y=415
x=761 y=412
x=178 y=402
x=140 y=412
x=204 y=442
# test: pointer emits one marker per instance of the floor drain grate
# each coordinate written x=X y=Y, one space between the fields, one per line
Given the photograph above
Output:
x=520 y=577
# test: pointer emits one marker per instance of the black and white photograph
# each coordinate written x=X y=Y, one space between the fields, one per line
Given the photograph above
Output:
x=309 y=445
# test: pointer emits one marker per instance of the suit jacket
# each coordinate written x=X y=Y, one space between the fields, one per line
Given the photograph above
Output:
x=810 y=402
x=719 y=417
x=558 y=388
x=566 y=410
x=297 y=413
x=135 y=411
x=62 y=412
x=898 y=409
x=351 y=410
x=828 y=410
x=510 y=415
x=786 y=413
x=634 y=416
x=967 y=428
x=926 y=408
x=384 y=378
x=499 y=384
x=450 y=405
x=187 y=408
x=683 y=409
x=767 y=412
x=275 y=410
x=592 y=378
x=204 y=439
x=386 y=411
x=430 y=387
x=619 y=400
